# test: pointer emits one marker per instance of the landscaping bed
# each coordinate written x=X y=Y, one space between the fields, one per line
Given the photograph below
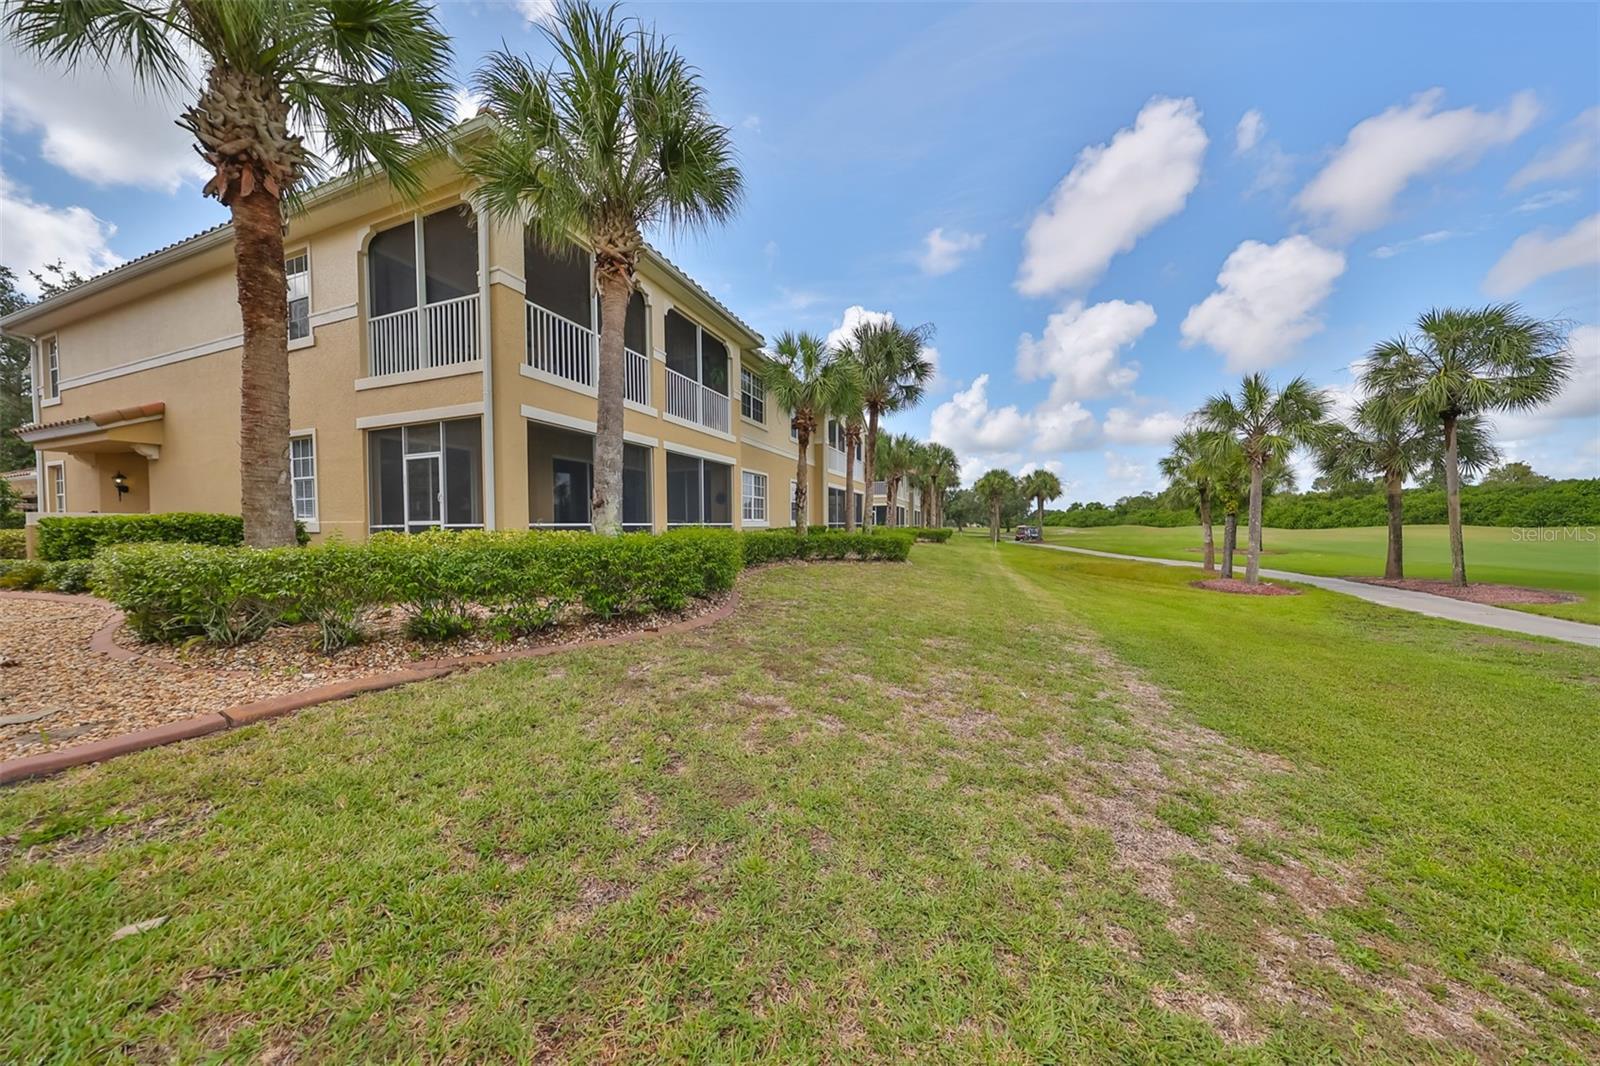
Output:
x=1476 y=592
x=1240 y=587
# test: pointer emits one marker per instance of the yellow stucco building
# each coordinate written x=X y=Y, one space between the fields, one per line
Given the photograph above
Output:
x=442 y=373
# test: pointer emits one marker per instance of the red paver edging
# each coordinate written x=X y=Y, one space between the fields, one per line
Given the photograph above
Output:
x=29 y=766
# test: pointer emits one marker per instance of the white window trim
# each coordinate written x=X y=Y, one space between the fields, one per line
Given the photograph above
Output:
x=58 y=500
x=746 y=498
x=310 y=339
x=761 y=393
x=49 y=397
x=444 y=484
x=314 y=523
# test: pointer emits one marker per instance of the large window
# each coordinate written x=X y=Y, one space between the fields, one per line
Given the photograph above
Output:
x=303 y=477
x=445 y=288
x=572 y=486
x=859 y=502
x=297 y=272
x=426 y=476
x=52 y=368
x=754 y=496
x=752 y=395
x=58 y=486
x=699 y=491
x=835 y=506
x=696 y=354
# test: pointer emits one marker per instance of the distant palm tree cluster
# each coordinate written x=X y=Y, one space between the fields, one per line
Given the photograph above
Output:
x=878 y=370
x=1423 y=404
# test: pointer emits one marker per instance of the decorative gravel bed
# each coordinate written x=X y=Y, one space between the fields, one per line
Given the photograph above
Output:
x=1473 y=593
x=56 y=692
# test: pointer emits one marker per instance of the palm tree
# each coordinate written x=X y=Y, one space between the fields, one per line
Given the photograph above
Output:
x=366 y=77
x=1189 y=470
x=994 y=488
x=1470 y=362
x=894 y=368
x=613 y=138
x=1267 y=425
x=806 y=378
x=851 y=421
x=1041 y=486
x=1382 y=440
x=943 y=473
x=897 y=459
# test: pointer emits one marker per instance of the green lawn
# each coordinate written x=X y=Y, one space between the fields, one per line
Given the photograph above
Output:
x=1570 y=563
x=997 y=804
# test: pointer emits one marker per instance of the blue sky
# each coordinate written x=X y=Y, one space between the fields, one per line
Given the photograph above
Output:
x=1107 y=211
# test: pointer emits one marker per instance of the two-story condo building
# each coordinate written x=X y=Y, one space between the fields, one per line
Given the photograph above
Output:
x=442 y=374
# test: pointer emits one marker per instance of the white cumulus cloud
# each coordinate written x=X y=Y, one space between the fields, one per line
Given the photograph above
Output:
x=1249 y=130
x=1081 y=347
x=97 y=124
x=943 y=252
x=1123 y=426
x=33 y=234
x=534 y=12
x=1114 y=194
x=1541 y=253
x=1578 y=155
x=967 y=423
x=853 y=317
x=1383 y=154
x=1266 y=301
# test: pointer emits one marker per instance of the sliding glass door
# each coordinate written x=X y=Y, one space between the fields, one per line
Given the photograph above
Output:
x=425 y=476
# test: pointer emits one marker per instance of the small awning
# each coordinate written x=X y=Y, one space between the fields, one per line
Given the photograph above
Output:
x=138 y=429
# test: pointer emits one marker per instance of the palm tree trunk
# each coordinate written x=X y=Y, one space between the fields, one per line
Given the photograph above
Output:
x=1252 y=566
x=264 y=497
x=891 y=489
x=994 y=521
x=1209 y=554
x=868 y=464
x=1452 y=500
x=802 y=519
x=1041 y=516
x=1394 y=567
x=849 y=486
x=605 y=507
x=1230 y=541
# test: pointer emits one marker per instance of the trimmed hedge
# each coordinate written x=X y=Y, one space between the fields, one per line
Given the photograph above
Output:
x=68 y=575
x=514 y=583
x=81 y=536
x=935 y=534
x=13 y=543
x=777 y=545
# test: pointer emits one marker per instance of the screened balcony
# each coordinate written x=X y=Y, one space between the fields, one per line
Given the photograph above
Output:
x=561 y=480
x=420 y=319
x=561 y=343
x=697 y=375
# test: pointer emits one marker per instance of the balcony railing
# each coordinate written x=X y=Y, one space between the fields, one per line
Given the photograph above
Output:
x=439 y=334
x=569 y=350
x=835 y=460
x=693 y=402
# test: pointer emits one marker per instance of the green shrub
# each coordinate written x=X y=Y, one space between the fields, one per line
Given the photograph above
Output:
x=937 y=535
x=13 y=543
x=81 y=536
x=884 y=545
x=68 y=575
x=21 y=574
x=171 y=592
x=337 y=587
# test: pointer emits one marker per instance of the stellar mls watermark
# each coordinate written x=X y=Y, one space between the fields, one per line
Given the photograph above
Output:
x=1547 y=534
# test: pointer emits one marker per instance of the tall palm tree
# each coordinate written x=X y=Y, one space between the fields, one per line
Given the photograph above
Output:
x=1267 y=424
x=1470 y=362
x=897 y=460
x=944 y=473
x=807 y=379
x=994 y=489
x=611 y=139
x=1041 y=486
x=1383 y=440
x=1189 y=469
x=895 y=370
x=368 y=78
x=852 y=421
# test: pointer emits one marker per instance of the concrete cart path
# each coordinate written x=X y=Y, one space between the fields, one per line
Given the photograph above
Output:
x=1477 y=614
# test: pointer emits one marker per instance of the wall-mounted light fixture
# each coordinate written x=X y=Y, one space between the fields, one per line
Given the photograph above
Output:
x=120 y=480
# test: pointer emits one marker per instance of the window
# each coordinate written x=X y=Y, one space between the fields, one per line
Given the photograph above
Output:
x=698 y=491
x=696 y=354
x=794 y=502
x=752 y=396
x=58 y=487
x=835 y=506
x=755 y=496
x=859 y=502
x=900 y=516
x=303 y=477
x=835 y=435
x=52 y=369
x=430 y=263
x=297 y=271
x=426 y=476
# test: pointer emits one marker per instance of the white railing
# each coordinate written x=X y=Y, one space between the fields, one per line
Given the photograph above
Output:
x=569 y=350
x=713 y=409
x=683 y=396
x=441 y=334
x=835 y=460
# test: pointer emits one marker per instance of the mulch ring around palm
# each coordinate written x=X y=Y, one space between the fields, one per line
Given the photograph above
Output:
x=1241 y=588
x=1474 y=593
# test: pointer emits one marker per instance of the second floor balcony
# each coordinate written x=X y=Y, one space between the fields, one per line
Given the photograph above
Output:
x=569 y=351
x=422 y=297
